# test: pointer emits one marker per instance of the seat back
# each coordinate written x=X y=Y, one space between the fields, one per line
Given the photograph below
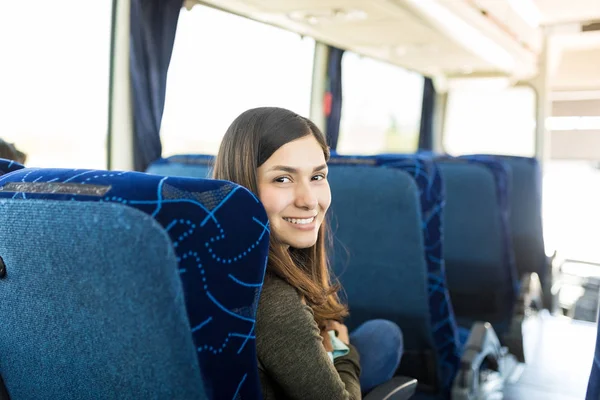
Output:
x=133 y=285
x=432 y=201
x=375 y=218
x=477 y=254
x=525 y=203
x=184 y=165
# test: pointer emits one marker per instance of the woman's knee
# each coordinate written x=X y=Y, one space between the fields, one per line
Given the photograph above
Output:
x=394 y=334
x=385 y=333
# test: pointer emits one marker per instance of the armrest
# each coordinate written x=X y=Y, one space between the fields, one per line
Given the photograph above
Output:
x=483 y=343
x=397 y=388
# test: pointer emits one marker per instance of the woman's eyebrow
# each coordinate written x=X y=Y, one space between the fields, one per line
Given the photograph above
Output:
x=293 y=170
x=284 y=168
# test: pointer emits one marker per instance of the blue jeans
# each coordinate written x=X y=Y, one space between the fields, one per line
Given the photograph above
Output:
x=380 y=345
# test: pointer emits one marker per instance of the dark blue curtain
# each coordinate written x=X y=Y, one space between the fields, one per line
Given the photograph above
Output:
x=153 y=26
x=427 y=115
x=333 y=96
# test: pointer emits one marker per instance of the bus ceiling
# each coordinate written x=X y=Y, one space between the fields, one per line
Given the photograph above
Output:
x=434 y=37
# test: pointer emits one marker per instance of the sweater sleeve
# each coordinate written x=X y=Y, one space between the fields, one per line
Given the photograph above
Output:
x=290 y=348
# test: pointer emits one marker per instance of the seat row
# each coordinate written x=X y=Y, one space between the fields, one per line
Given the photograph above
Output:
x=131 y=283
x=449 y=248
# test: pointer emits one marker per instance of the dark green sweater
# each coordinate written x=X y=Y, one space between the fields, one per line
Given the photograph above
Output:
x=292 y=361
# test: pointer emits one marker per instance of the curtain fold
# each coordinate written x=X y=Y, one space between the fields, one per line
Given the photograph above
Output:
x=333 y=96
x=427 y=115
x=152 y=35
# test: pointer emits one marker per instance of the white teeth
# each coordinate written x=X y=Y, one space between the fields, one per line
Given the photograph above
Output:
x=303 y=221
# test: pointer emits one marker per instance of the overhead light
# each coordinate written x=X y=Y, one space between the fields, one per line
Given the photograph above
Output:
x=527 y=10
x=328 y=16
x=465 y=34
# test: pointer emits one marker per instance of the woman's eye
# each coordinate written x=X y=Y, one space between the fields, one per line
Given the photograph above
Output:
x=318 y=177
x=283 y=179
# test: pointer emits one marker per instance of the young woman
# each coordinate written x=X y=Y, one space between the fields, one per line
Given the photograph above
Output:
x=304 y=350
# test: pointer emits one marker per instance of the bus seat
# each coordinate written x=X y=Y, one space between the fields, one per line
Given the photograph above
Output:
x=593 y=389
x=7 y=166
x=478 y=255
x=431 y=202
x=376 y=225
x=184 y=165
x=135 y=284
x=519 y=197
x=444 y=330
x=525 y=201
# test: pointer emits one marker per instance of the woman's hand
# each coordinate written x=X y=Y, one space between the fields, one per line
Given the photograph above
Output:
x=340 y=329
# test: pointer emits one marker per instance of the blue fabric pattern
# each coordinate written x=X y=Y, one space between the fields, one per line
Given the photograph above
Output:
x=7 y=166
x=220 y=234
x=432 y=197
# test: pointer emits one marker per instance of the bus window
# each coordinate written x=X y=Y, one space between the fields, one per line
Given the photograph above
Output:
x=381 y=111
x=490 y=120
x=55 y=75
x=222 y=65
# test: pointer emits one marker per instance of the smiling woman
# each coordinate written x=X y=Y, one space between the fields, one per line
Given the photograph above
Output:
x=296 y=198
x=303 y=348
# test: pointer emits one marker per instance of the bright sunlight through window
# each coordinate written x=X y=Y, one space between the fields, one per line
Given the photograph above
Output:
x=381 y=111
x=55 y=74
x=224 y=64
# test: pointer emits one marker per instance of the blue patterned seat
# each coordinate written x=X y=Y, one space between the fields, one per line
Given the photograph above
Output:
x=479 y=258
x=431 y=200
x=525 y=205
x=129 y=283
x=375 y=219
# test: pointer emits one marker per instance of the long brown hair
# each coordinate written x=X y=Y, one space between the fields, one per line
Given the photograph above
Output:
x=250 y=140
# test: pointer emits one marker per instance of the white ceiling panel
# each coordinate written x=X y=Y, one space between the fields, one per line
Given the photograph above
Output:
x=390 y=30
x=562 y=11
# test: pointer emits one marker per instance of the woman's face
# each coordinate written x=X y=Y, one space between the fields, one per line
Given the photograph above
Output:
x=293 y=187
